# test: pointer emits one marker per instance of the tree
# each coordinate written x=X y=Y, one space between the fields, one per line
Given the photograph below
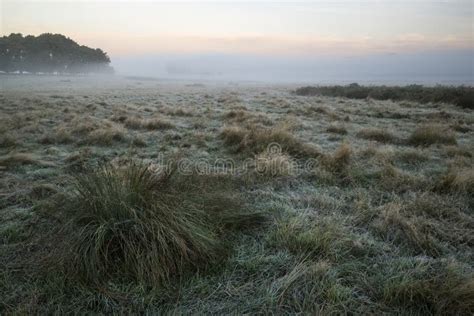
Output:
x=50 y=53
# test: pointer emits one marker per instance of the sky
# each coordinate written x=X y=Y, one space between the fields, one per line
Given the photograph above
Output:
x=299 y=40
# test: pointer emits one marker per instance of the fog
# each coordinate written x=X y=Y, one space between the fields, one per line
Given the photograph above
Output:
x=435 y=67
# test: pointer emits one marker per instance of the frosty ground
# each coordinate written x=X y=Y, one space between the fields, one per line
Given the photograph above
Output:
x=377 y=216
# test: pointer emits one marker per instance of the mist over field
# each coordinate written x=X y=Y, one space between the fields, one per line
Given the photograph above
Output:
x=429 y=68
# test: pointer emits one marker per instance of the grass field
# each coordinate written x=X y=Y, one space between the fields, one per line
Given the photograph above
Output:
x=153 y=197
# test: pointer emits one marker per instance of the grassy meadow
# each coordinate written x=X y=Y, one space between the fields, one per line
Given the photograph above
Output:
x=142 y=196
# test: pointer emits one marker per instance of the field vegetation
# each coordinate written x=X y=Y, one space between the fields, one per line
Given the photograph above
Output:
x=461 y=96
x=148 y=197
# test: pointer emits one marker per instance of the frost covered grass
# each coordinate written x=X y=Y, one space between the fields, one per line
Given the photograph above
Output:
x=379 y=220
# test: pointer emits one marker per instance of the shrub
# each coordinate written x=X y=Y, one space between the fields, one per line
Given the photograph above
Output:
x=132 y=222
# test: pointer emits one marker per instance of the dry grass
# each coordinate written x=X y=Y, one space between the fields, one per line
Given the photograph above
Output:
x=409 y=231
x=365 y=228
x=376 y=134
x=237 y=115
x=412 y=157
x=20 y=159
x=327 y=238
x=339 y=160
x=274 y=164
x=7 y=140
x=336 y=129
x=256 y=140
x=460 y=181
x=149 y=124
x=431 y=134
x=106 y=136
x=60 y=136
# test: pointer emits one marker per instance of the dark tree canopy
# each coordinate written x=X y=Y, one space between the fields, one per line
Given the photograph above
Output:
x=50 y=53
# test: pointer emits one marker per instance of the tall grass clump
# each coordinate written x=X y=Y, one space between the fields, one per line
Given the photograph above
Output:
x=431 y=134
x=134 y=223
x=377 y=134
x=254 y=140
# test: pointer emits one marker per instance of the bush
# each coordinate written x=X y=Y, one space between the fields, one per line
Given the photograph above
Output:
x=460 y=96
x=131 y=222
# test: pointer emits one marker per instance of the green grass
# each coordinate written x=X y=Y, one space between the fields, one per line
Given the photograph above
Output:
x=131 y=222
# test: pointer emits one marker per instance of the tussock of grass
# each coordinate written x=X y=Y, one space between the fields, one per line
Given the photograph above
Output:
x=429 y=287
x=274 y=164
x=85 y=125
x=455 y=151
x=237 y=115
x=410 y=232
x=339 y=160
x=6 y=140
x=431 y=134
x=130 y=222
x=139 y=142
x=411 y=157
x=459 y=181
x=177 y=112
x=150 y=124
x=323 y=239
x=386 y=177
x=336 y=129
x=256 y=140
x=419 y=225
x=461 y=128
x=60 y=136
x=106 y=136
x=19 y=159
x=377 y=134
x=391 y=178
x=312 y=289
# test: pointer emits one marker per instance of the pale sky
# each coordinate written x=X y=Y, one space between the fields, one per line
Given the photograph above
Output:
x=379 y=36
x=268 y=27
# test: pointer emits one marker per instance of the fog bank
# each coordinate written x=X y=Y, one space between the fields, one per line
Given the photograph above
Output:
x=436 y=67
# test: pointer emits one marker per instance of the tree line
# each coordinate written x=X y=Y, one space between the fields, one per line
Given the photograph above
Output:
x=50 y=53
